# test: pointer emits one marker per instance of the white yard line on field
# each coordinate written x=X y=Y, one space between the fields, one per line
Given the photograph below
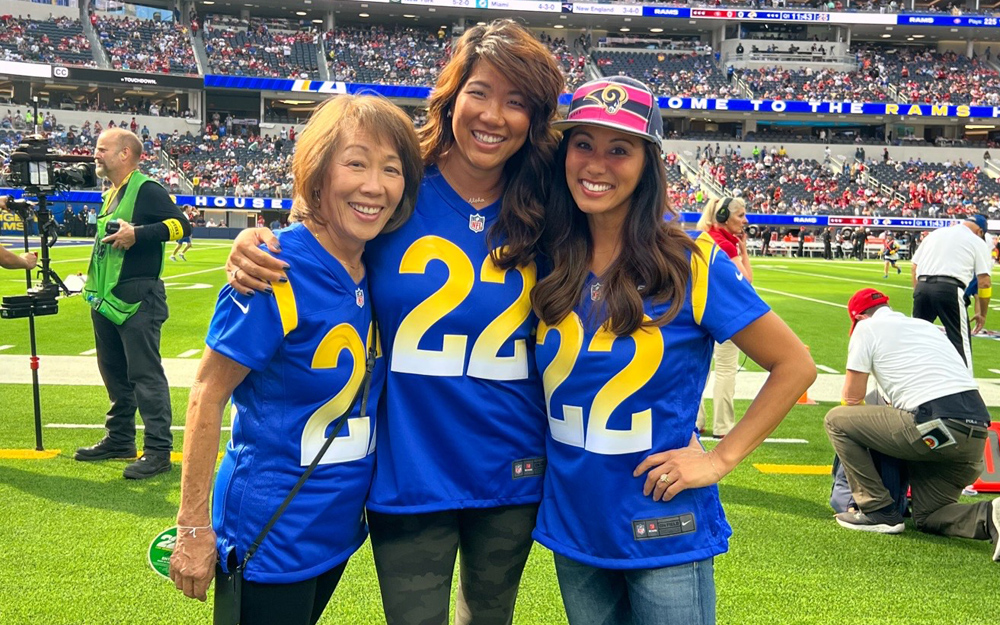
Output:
x=192 y=273
x=802 y=297
x=189 y=353
x=996 y=371
x=100 y=426
x=838 y=278
x=826 y=369
x=89 y=352
x=3 y=347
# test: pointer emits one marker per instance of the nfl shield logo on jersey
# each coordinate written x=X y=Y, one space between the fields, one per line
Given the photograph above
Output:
x=359 y=296
x=595 y=291
x=477 y=223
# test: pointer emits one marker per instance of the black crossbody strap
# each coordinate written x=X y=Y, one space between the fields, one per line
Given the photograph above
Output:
x=361 y=394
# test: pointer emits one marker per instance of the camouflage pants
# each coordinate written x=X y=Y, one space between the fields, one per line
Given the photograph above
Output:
x=415 y=560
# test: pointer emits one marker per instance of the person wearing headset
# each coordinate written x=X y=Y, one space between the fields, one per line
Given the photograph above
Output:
x=723 y=221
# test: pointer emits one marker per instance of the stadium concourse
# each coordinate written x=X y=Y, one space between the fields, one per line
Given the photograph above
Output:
x=785 y=104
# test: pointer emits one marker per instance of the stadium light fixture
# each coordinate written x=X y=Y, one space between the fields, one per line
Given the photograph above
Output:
x=480 y=23
x=208 y=2
x=886 y=36
x=656 y=30
x=363 y=15
x=300 y=13
x=409 y=16
x=624 y=29
x=317 y=21
x=558 y=26
x=918 y=36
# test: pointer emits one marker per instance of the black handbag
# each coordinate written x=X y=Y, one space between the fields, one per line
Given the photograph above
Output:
x=228 y=586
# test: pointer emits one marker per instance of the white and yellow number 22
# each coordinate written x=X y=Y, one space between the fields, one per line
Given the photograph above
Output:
x=358 y=443
x=484 y=361
x=598 y=438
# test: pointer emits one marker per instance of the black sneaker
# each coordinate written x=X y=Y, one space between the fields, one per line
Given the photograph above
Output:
x=104 y=450
x=147 y=466
x=878 y=522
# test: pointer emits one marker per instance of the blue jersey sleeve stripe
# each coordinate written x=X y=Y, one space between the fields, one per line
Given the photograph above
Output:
x=287 y=310
x=700 y=261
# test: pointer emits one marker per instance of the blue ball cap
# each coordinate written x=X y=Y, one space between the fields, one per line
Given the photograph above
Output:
x=980 y=221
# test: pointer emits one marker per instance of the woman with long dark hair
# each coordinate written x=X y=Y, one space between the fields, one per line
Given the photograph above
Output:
x=629 y=314
x=461 y=424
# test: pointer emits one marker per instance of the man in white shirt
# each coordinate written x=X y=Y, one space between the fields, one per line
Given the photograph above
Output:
x=936 y=422
x=947 y=260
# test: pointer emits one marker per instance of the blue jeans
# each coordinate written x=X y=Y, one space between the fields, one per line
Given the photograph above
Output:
x=682 y=594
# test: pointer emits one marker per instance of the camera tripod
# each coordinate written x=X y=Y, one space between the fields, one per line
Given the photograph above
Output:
x=40 y=300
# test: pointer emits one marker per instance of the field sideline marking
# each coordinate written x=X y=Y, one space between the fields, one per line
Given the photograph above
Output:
x=996 y=371
x=28 y=454
x=189 y=353
x=31 y=454
x=193 y=273
x=826 y=369
x=829 y=277
x=89 y=352
x=795 y=469
x=100 y=426
x=3 y=347
x=802 y=297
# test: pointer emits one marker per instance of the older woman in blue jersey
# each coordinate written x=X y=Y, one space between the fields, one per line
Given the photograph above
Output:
x=629 y=314
x=462 y=421
x=292 y=363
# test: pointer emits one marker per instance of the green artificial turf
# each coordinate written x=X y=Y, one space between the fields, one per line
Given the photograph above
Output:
x=74 y=536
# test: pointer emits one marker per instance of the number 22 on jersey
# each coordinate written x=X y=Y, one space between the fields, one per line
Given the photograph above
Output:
x=360 y=440
x=633 y=376
x=484 y=361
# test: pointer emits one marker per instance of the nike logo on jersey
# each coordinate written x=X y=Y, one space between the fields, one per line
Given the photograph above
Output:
x=244 y=307
x=739 y=276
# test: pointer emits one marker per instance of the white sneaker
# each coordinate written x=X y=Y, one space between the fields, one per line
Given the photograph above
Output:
x=995 y=520
x=969 y=491
x=172 y=258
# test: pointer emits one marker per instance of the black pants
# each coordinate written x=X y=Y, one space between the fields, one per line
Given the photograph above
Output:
x=301 y=603
x=128 y=357
x=415 y=561
x=827 y=251
x=945 y=301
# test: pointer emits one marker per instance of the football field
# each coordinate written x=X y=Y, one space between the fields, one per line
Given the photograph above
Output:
x=74 y=537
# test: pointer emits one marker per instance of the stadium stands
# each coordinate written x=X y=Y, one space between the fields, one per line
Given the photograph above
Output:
x=58 y=40
x=239 y=49
x=146 y=45
x=667 y=73
x=242 y=166
x=379 y=55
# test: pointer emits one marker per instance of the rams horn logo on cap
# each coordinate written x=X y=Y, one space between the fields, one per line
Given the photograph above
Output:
x=612 y=98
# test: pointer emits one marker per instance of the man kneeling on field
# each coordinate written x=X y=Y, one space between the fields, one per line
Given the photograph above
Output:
x=936 y=422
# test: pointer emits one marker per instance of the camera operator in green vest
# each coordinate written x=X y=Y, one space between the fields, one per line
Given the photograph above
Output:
x=129 y=305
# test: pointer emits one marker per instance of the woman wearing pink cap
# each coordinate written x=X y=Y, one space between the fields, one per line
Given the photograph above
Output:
x=629 y=314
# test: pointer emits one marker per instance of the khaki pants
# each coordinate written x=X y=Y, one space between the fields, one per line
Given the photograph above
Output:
x=936 y=476
x=727 y=358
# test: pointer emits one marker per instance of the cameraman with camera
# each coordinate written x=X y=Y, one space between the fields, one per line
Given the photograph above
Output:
x=10 y=260
x=129 y=304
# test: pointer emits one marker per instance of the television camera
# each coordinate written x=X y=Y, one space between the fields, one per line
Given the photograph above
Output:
x=41 y=171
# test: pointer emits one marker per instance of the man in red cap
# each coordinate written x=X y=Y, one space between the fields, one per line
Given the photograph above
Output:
x=935 y=422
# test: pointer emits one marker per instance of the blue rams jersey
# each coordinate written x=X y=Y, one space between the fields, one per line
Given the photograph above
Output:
x=613 y=401
x=306 y=348
x=462 y=420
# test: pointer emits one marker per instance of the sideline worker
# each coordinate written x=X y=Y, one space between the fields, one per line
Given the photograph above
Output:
x=723 y=222
x=936 y=422
x=129 y=305
x=943 y=265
